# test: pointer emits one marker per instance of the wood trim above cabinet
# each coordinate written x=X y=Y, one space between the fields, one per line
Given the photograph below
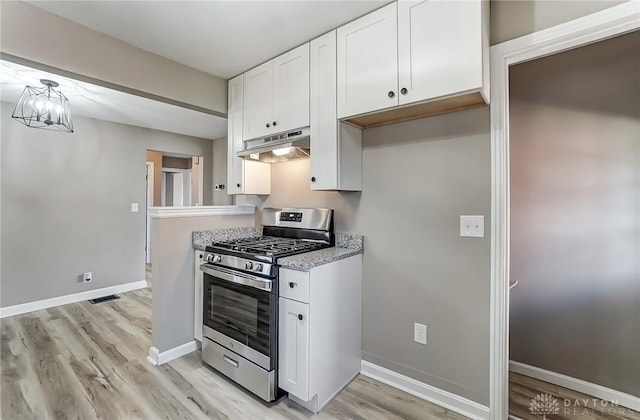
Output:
x=415 y=111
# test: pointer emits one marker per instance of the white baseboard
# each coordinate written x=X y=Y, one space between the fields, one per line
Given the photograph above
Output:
x=594 y=390
x=153 y=356
x=427 y=392
x=158 y=358
x=66 y=299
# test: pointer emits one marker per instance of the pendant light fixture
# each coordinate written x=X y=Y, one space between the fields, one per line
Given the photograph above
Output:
x=44 y=107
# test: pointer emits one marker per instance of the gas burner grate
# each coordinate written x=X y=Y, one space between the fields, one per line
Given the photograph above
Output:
x=104 y=299
x=270 y=246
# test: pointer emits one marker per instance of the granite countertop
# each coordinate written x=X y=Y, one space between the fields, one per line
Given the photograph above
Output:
x=347 y=245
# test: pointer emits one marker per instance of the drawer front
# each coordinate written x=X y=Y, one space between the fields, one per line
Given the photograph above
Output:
x=294 y=285
x=251 y=376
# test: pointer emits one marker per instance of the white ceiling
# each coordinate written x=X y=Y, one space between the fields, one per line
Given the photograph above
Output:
x=98 y=102
x=223 y=38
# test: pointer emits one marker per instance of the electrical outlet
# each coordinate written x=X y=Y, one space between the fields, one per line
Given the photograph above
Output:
x=134 y=207
x=472 y=226
x=419 y=333
x=87 y=277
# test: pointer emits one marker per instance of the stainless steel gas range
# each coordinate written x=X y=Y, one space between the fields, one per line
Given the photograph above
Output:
x=240 y=331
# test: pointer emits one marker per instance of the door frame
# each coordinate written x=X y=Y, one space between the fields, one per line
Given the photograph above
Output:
x=149 y=203
x=611 y=22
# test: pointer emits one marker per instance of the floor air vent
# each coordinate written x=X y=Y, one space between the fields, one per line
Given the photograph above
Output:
x=104 y=299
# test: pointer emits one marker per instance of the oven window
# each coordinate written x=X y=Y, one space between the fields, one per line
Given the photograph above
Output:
x=241 y=312
x=234 y=309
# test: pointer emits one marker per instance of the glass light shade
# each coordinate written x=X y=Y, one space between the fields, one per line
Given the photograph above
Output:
x=281 y=152
x=44 y=107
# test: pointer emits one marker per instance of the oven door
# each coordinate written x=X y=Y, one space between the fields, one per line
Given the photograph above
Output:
x=240 y=313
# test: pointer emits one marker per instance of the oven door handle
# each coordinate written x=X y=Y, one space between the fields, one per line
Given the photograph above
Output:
x=246 y=280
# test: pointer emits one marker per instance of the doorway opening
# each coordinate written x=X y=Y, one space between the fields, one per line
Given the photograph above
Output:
x=172 y=180
x=585 y=109
x=574 y=120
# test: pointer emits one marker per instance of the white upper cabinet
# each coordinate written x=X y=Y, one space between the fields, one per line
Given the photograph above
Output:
x=243 y=177
x=234 y=136
x=432 y=55
x=276 y=95
x=439 y=48
x=291 y=90
x=336 y=148
x=258 y=101
x=368 y=63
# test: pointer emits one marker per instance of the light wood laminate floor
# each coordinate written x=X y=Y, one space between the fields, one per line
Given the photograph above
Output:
x=84 y=361
x=522 y=389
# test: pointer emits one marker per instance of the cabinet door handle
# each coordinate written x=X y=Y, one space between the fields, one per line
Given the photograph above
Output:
x=292 y=284
x=300 y=317
x=404 y=91
x=391 y=94
x=313 y=179
x=268 y=125
x=275 y=123
x=238 y=185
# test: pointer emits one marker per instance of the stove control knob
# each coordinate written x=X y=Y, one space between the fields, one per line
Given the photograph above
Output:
x=209 y=258
x=217 y=258
x=257 y=267
x=248 y=265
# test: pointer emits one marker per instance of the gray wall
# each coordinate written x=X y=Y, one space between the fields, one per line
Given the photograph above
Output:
x=575 y=213
x=418 y=178
x=74 y=48
x=514 y=18
x=176 y=162
x=172 y=261
x=66 y=202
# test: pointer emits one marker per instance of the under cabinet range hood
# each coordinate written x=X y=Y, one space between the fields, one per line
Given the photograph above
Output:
x=276 y=148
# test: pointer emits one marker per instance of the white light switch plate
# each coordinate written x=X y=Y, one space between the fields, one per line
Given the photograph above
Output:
x=472 y=226
x=134 y=207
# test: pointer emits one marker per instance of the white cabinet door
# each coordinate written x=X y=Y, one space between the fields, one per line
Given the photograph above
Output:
x=293 y=348
x=258 y=101
x=368 y=63
x=235 y=170
x=198 y=279
x=323 y=116
x=291 y=90
x=439 y=48
x=336 y=161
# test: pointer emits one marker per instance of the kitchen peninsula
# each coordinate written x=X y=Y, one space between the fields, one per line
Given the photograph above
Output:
x=172 y=270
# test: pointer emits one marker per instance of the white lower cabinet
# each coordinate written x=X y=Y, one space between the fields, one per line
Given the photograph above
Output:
x=198 y=295
x=320 y=330
x=293 y=346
